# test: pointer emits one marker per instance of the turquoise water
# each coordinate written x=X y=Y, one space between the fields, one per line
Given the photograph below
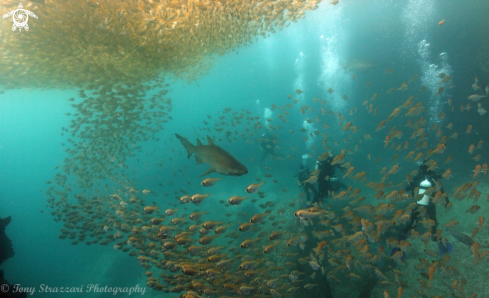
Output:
x=311 y=55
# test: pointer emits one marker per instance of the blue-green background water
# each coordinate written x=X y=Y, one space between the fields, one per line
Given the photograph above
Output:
x=308 y=56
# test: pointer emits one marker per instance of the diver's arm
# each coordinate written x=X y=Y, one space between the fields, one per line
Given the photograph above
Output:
x=340 y=167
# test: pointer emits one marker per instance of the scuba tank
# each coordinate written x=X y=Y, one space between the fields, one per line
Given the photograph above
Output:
x=423 y=186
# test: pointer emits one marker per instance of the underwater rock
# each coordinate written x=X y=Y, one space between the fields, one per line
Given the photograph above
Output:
x=6 y=250
x=9 y=293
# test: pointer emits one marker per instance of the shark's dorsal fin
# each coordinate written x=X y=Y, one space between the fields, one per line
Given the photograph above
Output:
x=199 y=143
x=210 y=170
x=209 y=141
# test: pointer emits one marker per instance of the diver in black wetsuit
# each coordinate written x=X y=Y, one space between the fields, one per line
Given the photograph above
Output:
x=422 y=181
x=267 y=146
x=304 y=174
x=332 y=183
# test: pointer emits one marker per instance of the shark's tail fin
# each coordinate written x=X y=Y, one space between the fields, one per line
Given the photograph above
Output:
x=190 y=148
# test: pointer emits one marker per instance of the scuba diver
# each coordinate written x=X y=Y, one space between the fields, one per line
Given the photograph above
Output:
x=424 y=180
x=303 y=175
x=267 y=146
x=327 y=181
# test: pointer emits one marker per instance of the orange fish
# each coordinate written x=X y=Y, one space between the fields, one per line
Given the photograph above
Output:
x=400 y=290
x=451 y=224
x=150 y=209
x=247 y=243
x=393 y=170
x=270 y=248
x=245 y=227
x=474 y=232
x=394 y=113
x=441 y=22
x=259 y=217
x=475 y=250
x=481 y=221
x=419 y=156
x=447 y=174
x=338 y=159
x=211 y=224
x=320 y=246
x=431 y=273
x=252 y=188
x=477 y=171
x=410 y=155
x=473 y=209
x=198 y=198
x=380 y=126
x=439 y=149
x=210 y=181
x=360 y=175
x=405 y=246
x=381 y=250
x=311 y=180
x=349 y=172
x=236 y=200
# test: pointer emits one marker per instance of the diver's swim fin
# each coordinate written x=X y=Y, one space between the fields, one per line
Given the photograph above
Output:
x=449 y=247
x=444 y=249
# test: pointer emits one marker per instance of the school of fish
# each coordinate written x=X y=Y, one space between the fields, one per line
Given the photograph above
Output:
x=289 y=248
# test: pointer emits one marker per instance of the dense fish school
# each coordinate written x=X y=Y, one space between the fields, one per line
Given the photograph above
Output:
x=377 y=235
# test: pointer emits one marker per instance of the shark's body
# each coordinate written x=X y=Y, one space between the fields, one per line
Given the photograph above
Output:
x=218 y=159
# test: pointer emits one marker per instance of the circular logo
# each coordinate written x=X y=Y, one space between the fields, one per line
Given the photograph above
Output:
x=4 y=288
x=20 y=18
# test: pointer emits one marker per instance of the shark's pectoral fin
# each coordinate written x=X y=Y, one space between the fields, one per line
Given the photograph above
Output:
x=210 y=170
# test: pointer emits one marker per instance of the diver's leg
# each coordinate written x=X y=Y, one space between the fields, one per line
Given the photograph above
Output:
x=323 y=186
x=305 y=188
x=314 y=191
x=317 y=196
x=403 y=234
x=431 y=214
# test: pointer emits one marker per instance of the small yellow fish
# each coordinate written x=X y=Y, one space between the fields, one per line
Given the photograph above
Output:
x=252 y=188
x=210 y=181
